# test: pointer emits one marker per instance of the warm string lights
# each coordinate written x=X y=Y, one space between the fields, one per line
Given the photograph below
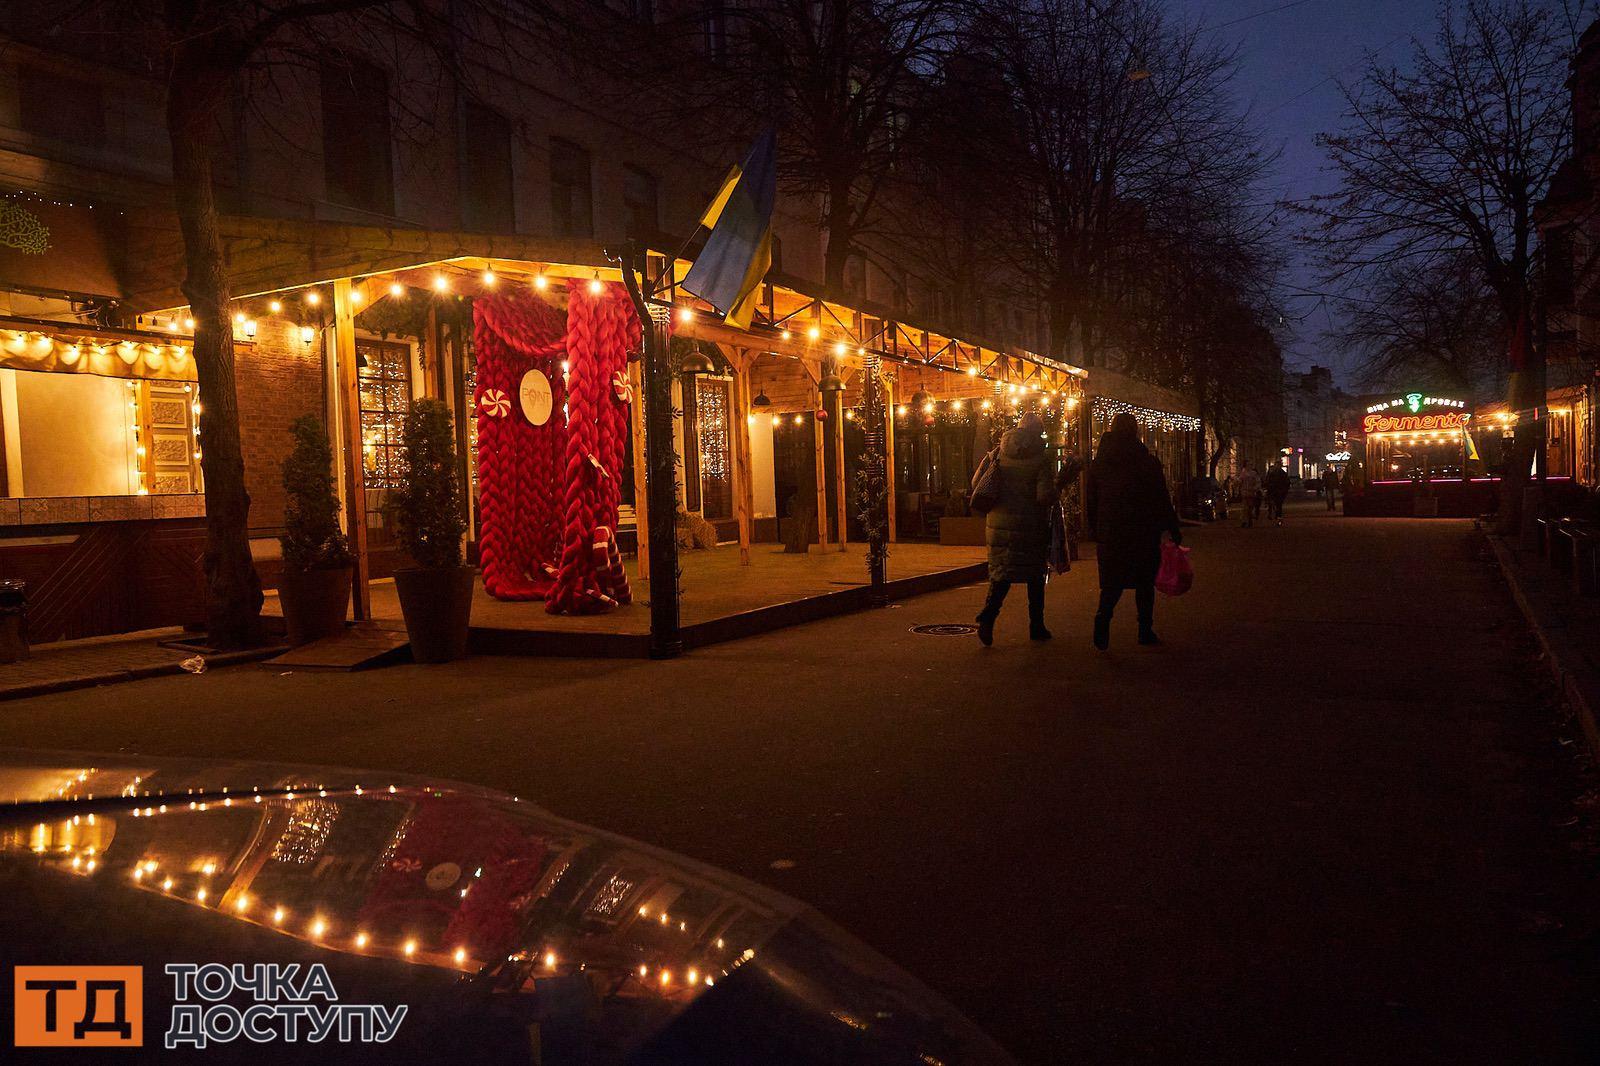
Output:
x=1106 y=408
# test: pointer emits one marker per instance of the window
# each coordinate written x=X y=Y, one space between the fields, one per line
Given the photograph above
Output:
x=63 y=107
x=571 y=196
x=357 y=167
x=486 y=183
x=642 y=197
x=716 y=462
x=716 y=27
x=384 y=379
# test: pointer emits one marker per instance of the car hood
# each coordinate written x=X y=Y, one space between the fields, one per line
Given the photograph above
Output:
x=507 y=932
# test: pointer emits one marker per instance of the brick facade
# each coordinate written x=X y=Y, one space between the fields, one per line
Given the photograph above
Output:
x=279 y=378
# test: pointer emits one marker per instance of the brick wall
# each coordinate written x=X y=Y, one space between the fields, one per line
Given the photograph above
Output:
x=279 y=378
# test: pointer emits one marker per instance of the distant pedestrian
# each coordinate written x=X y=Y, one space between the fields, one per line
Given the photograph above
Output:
x=1249 y=493
x=1128 y=508
x=1276 y=484
x=1330 y=485
x=1017 y=527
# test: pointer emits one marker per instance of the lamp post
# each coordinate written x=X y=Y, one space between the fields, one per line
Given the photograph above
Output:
x=660 y=463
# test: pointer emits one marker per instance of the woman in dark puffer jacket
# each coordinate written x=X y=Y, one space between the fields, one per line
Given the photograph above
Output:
x=1017 y=528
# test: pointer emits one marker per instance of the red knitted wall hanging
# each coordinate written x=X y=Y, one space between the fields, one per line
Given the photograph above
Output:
x=548 y=495
x=601 y=330
x=519 y=497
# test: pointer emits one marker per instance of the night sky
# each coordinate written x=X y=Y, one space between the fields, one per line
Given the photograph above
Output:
x=1291 y=55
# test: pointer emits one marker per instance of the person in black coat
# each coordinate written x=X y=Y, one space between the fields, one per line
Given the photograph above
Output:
x=1017 y=527
x=1128 y=507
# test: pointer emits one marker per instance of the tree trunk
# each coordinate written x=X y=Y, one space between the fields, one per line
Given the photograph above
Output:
x=195 y=89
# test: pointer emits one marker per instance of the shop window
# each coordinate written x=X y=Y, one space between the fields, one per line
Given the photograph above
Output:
x=68 y=435
x=385 y=384
x=712 y=404
x=641 y=195
x=486 y=176
x=358 y=170
x=57 y=105
x=571 y=190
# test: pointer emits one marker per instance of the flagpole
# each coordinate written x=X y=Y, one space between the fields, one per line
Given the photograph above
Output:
x=661 y=464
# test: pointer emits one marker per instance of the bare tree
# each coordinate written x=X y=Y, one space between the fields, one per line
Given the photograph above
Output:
x=1436 y=325
x=843 y=81
x=1445 y=162
x=1126 y=126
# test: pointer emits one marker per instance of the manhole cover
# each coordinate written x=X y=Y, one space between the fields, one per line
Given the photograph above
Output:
x=945 y=629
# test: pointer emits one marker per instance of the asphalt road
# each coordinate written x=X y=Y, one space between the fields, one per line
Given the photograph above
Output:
x=1322 y=823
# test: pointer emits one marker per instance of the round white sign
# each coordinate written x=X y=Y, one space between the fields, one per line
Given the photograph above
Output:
x=536 y=397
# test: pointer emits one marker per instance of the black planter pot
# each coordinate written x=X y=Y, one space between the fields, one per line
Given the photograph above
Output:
x=314 y=603
x=437 y=605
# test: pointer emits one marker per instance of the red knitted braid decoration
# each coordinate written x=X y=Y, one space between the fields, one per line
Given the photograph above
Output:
x=517 y=502
x=600 y=330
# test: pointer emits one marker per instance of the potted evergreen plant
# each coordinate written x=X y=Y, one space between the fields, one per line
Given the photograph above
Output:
x=436 y=593
x=315 y=587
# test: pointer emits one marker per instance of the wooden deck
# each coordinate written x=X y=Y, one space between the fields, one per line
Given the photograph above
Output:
x=721 y=599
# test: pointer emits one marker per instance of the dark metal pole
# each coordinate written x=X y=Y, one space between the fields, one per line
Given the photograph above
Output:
x=661 y=466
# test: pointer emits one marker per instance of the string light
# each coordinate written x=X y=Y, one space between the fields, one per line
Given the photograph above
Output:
x=685 y=315
x=596 y=286
x=541 y=282
x=441 y=283
x=488 y=279
x=275 y=306
x=396 y=289
x=814 y=332
x=313 y=297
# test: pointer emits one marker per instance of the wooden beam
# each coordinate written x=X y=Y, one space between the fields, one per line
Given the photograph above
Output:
x=355 y=490
x=641 y=479
x=819 y=431
x=841 y=500
x=888 y=453
x=743 y=463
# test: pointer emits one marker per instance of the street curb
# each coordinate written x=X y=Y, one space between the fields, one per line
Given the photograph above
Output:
x=137 y=673
x=1567 y=668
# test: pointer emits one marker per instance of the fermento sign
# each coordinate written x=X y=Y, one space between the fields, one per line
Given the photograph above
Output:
x=1414 y=412
x=535 y=396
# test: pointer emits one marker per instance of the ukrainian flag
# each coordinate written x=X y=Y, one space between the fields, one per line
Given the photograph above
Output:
x=728 y=273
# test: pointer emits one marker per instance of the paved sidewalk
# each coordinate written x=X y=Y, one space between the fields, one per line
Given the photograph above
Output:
x=1566 y=625
x=76 y=664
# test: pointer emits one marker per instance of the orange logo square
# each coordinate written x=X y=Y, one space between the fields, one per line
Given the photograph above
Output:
x=79 y=1006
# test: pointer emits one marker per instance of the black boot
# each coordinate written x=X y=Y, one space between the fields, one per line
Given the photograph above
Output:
x=1036 y=629
x=991 y=611
x=1102 y=632
x=1145 y=599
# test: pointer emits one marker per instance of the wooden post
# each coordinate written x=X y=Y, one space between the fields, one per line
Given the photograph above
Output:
x=841 y=496
x=641 y=479
x=355 y=490
x=743 y=464
x=888 y=454
x=819 y=431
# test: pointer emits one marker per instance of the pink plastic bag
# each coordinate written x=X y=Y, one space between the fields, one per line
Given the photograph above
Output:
x=1177 y=573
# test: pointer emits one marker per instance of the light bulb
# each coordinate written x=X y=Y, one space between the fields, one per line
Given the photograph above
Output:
x=441 y=283
x=313 y=297
x=275 y=306
x=396 y=289
x=541 y=282
x=596 y=287
x=488 y=278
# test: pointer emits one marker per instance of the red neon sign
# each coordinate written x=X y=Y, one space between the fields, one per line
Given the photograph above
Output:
x=1414 y=423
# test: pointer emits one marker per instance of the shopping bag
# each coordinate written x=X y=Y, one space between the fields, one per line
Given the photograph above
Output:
x=1060 y=555
x=986 y=484
x=1176 y=574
